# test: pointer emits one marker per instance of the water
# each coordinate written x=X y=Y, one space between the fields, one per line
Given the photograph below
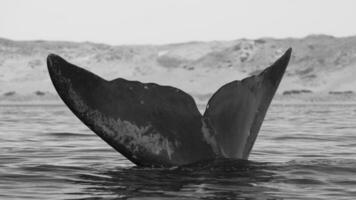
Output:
x=302 y=152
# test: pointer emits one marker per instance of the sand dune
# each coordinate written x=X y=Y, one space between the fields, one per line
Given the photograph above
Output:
x=320 y=64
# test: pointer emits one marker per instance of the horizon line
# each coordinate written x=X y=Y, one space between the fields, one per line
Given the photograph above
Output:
x=175 y=43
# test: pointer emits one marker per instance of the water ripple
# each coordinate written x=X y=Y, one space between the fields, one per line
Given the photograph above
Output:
x=303 y=152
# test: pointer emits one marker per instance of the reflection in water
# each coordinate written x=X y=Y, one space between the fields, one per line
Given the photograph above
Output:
x=220 y=179
x=303 y=152
x=226 y=179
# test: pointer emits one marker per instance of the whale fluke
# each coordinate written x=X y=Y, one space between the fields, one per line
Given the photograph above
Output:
x=154 y=125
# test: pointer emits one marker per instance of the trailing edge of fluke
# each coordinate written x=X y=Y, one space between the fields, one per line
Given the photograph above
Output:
x=154 y=125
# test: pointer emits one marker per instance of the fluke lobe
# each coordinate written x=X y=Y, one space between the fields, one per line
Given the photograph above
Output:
x=154 y=125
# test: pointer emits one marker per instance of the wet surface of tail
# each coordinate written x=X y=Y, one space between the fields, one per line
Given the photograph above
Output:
x=154 y=125
x=236 y=111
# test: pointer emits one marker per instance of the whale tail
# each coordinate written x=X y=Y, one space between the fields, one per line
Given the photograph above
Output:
x=155 y=125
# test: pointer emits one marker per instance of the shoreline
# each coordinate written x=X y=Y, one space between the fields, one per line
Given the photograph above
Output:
x=274 y=102
x=200 y=99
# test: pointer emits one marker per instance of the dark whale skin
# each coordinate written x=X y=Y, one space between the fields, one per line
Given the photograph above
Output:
x=236 y=111
x=154 y=125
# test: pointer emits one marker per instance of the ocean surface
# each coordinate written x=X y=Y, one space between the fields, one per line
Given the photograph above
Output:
x=302 y=152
